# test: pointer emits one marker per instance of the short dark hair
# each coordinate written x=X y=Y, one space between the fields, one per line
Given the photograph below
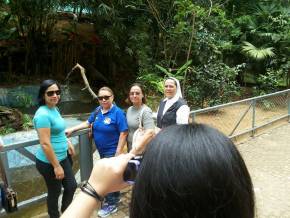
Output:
x=42 y=89
x=192 y=171
x=144 y=100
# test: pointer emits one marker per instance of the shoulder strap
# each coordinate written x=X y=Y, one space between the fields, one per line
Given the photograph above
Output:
x=96 y=112
x=140 y=117
x=95 y=116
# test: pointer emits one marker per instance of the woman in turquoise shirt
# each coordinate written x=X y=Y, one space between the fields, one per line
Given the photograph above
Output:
x=52 y=161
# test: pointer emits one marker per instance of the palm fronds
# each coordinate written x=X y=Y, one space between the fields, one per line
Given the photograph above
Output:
x=257 y=53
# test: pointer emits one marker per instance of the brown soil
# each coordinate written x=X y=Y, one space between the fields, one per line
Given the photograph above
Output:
x=227 y=118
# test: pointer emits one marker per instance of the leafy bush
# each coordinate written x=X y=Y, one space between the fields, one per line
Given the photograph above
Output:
x=270 y=81
x=211 y=84
x=6 y=130
x=23 y=99
x=27 y=122
x=152 y=82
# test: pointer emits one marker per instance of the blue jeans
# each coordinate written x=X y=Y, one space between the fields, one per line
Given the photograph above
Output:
x=113 y=197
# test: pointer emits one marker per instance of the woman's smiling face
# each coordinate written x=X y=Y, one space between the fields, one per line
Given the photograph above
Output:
x=105 y=99
x=52 y=95
x=170 y=88
x=136 y=95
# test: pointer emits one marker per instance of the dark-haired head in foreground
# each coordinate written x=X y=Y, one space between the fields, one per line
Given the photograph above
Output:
x=192 y=171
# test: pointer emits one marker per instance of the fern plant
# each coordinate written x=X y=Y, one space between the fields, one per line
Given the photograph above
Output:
x=257 y=53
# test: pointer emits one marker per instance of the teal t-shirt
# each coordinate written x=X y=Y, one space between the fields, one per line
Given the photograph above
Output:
x=46 y=117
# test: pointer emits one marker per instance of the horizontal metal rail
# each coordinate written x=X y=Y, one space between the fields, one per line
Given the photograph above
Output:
x=253 y=103
x=13 y=146
x=287 y=91
x=85 y=160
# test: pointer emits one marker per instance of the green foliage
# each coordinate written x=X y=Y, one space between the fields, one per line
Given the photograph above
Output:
x=178 y=73
x=7 y=31
x=199 y=42
x=268 y=29
x=211 y=84
x=152 y=82
x=270 y=82
x=257 y=53
x=6 y=130
x=26 y=125
x=27 y=122
x=23 y=99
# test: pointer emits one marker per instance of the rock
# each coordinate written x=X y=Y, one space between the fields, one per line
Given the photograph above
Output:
x=10 y=117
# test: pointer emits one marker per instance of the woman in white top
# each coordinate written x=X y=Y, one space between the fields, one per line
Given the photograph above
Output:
x=173 y=109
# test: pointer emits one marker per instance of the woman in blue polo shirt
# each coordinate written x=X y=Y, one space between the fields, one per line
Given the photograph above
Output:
x=52 y=161
x=110 y=131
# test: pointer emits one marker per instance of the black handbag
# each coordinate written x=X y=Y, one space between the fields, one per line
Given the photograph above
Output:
x=91 y=128
x=9 y=199
x=8 y=195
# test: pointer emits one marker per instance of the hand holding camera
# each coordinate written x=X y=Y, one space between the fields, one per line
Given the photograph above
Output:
x=132 y=169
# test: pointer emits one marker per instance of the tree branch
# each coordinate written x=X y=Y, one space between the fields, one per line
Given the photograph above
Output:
x=83 y=74
x=155 y=13
x=188 y=52
x=210 y=8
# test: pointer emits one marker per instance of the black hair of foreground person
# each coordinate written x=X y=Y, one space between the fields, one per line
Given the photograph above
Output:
x=192 y=171
x=188 y=171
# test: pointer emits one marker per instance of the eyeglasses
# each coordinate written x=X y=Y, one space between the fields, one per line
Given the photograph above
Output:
x=134 y=93
x=51 y=93
x=105 y=97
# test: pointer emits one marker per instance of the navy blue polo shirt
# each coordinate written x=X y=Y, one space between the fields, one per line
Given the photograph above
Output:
x=107 y=128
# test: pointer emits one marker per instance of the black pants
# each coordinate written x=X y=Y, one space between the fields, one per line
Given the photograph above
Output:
x=54 y=186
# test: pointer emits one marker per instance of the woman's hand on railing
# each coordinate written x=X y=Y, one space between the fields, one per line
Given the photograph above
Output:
x=68 y=132
x=80 y=126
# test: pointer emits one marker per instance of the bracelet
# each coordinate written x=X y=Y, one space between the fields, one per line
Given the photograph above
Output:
x=87 y=188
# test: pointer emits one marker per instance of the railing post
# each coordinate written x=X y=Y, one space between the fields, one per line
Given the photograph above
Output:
x=192 y=116
x=5 y=164
x=253 y=117
x=86 y=156
x=288 y=101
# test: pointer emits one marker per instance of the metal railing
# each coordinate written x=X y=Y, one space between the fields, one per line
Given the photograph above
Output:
x=25 y=179
x=234 y=119
x=246 y=116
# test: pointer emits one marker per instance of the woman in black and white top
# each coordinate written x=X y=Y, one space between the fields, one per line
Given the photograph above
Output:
x=173 y=109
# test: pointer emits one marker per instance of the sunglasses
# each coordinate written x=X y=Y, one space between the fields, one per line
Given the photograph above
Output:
x=105 y=97
x=134 y=93
x=51 y=93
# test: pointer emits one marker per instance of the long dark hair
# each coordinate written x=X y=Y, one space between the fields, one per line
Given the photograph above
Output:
x=42 y=89
x=192 y=171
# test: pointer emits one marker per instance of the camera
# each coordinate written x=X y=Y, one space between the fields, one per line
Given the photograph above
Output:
x=132 y=169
